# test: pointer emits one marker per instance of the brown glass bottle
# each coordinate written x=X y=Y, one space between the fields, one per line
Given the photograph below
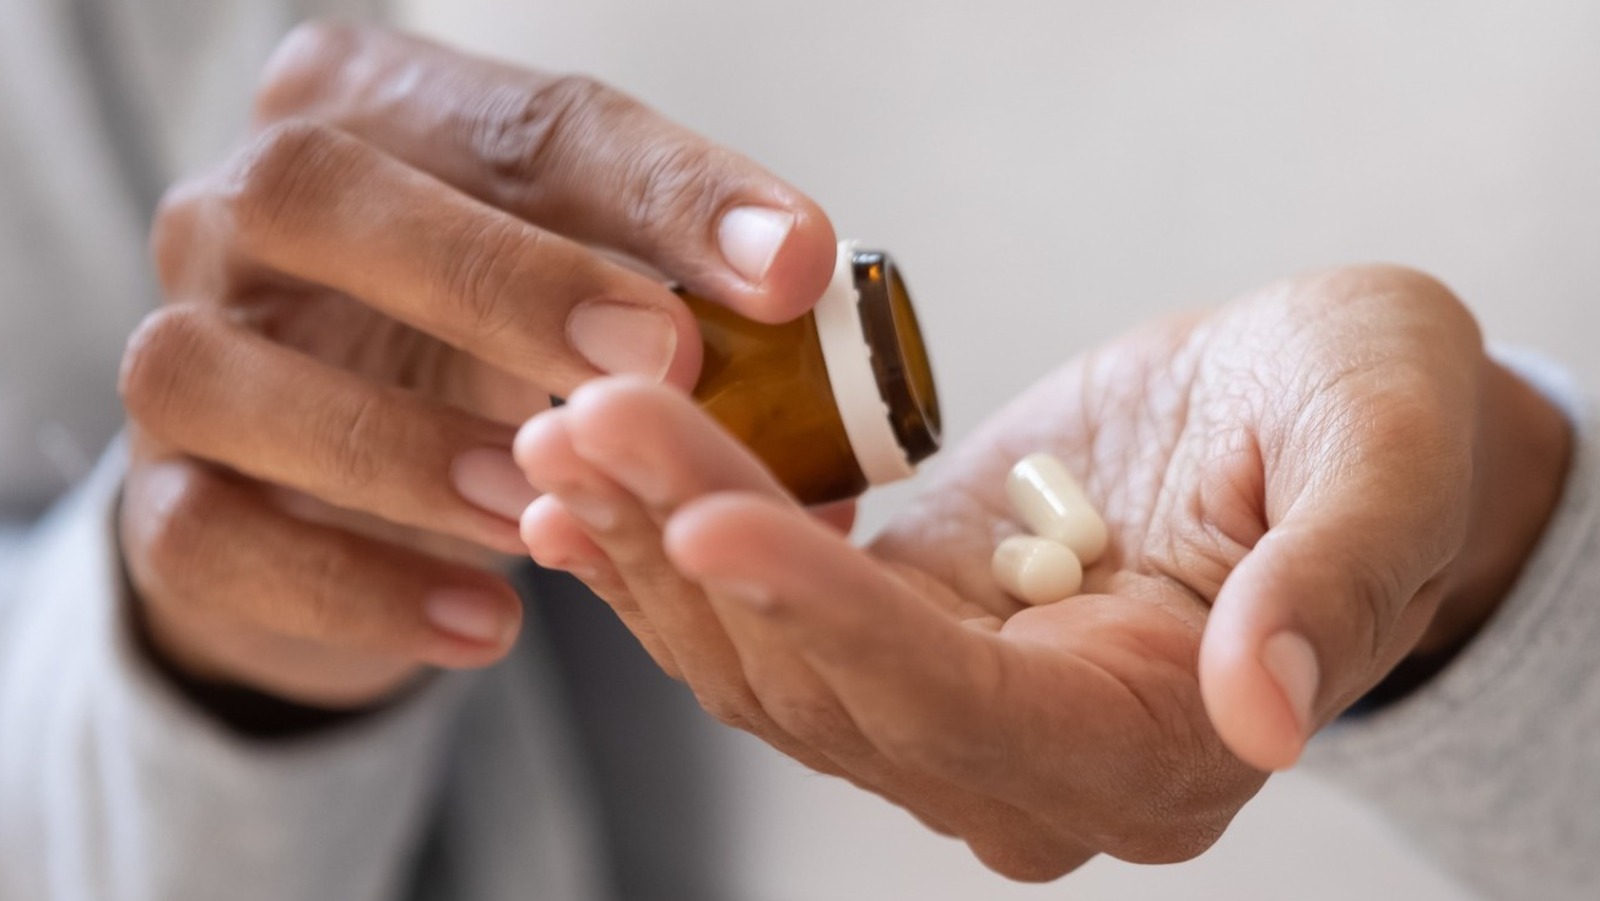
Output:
x=835 y=401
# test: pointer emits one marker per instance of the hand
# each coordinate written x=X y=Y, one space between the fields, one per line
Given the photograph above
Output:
x=1295 y=484
x=363 y=301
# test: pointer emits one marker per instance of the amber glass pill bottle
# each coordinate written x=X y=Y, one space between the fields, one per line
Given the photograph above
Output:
x=836 y=401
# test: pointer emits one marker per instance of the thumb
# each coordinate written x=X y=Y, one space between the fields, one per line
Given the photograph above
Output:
x=1323 y=606
x=568 y=154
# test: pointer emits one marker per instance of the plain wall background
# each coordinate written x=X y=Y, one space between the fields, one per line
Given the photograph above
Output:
x=1050 y=174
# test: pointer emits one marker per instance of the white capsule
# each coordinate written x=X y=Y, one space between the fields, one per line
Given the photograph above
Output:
x=1046 y=497
x=1037 y=570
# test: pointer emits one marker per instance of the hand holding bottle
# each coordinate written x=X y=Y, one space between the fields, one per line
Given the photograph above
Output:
x=396 y=268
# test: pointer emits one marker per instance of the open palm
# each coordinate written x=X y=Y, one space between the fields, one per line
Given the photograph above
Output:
x=1287 y=481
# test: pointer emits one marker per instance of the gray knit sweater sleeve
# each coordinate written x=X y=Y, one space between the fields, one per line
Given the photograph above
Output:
x=1494 y=765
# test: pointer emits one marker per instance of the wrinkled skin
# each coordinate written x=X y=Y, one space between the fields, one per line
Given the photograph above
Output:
x=363 y=302
x=383 y=281
x=1301 y=460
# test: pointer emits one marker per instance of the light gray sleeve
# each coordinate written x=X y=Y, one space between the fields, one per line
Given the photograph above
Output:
x=112 y=788
x=1493 y=766
x=12 y=539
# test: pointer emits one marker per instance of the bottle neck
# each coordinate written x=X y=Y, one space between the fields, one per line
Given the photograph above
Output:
x=899 y=354
x=877 y=366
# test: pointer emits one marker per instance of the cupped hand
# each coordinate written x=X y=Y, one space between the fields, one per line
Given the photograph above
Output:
x=396 y=269
x=1302 y=487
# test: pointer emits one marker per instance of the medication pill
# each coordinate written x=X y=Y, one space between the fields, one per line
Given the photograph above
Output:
x=1037 y=570
x=1046 y=497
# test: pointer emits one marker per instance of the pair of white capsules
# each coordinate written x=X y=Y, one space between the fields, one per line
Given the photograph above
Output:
x=1068 y=533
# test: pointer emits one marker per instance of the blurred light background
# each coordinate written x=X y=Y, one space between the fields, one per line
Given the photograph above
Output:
x=1050 y=174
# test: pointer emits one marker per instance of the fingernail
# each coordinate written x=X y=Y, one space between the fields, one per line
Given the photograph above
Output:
x=529 y=525
x=1292 y=662
x=623 y=338
x=750 y=237
x=592 y=511
x=473 y=615
x=489 y=478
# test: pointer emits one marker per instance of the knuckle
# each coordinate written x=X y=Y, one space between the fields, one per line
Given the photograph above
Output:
x=357 y=431
x=178 y=520
x=1403 y=285
x=306 y=62
x=1369 y=595
x=479 y=264
x=1377 y=593
x=1413 y=302
x=286 y=172
x=174 y=231
x=156 y=358
x=520 y=134
x=670 y=185
x=1416 y=431
x=324 y=577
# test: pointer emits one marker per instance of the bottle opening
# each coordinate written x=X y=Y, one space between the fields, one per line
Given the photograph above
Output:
x=900 y=354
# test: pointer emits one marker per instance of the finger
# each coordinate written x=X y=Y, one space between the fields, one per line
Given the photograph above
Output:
x=920 y=687
x=666 y=450
x=230 y=396
x=660 y=446
x=567 y=153
x=673 y=618
x=611 y=520
x=557 y=540
x=657 y=603
x=560 y=531
x=840 y=515
x=657 y=445
x=317 y=206
x=654 y=443
x=649 y=596
x=806 y=706
x=200 y=543
x=1333 y=595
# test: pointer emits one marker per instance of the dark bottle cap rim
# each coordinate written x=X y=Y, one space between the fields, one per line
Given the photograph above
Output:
x=905 y=378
